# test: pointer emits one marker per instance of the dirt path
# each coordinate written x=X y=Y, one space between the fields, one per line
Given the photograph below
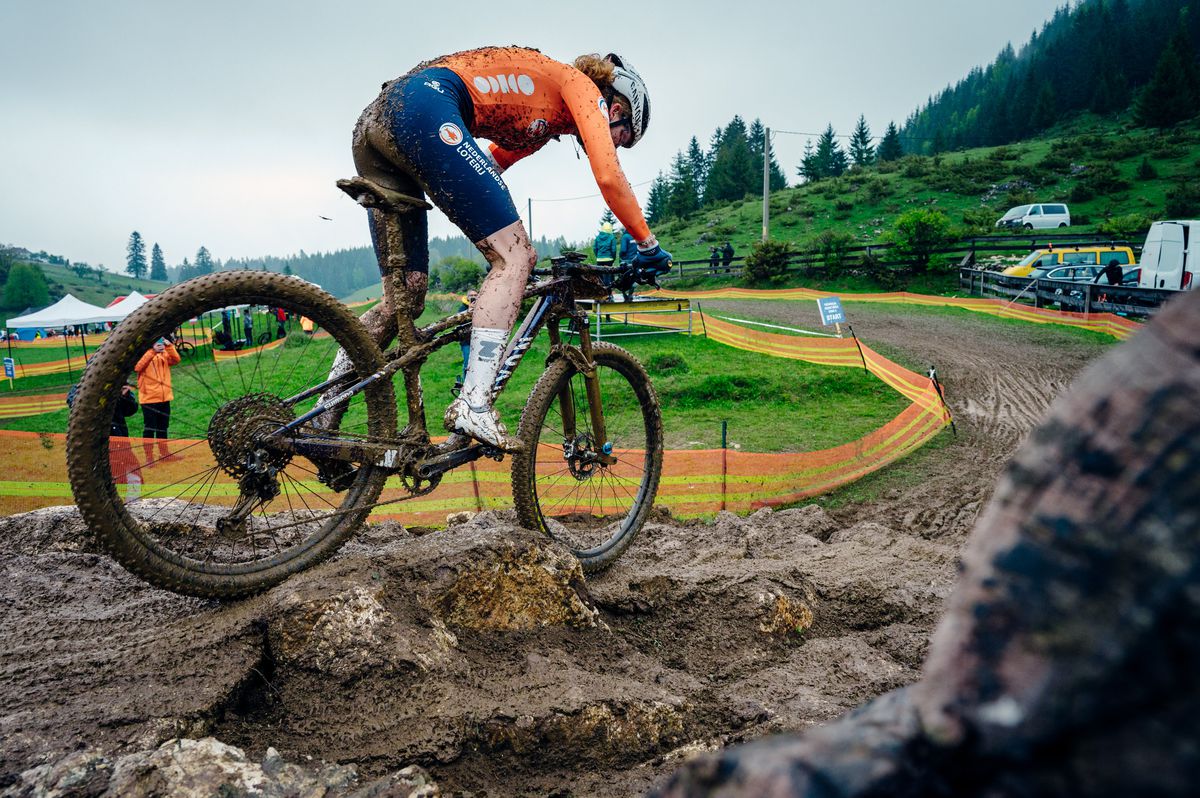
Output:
x=999 y=377
x=702 y=635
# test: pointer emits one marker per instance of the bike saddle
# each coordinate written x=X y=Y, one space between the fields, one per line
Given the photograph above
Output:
x=370 y=194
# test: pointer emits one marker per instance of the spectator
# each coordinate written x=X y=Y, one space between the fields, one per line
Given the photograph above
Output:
x=714 y=258
x=122 y=462
x=727 y=255
x=307 y=325
x=154 y=382
x=281 y=321
x=605 y=245
x=126 y=470
x=628 y=248
x=248 y=326
x=1112 y=272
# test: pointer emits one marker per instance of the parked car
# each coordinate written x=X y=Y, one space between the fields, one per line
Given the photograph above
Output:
x=1039 y=216
x=1171 y=256
x=1048 y=258
x=1083 y=273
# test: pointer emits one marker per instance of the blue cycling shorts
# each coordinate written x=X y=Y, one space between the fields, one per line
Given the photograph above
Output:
x=429 y=115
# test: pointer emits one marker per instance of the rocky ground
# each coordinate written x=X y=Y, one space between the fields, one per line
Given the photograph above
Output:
x=479 y=660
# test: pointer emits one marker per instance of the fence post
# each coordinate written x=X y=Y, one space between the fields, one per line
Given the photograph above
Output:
x=724 y=458
x=475 y=487
x=1087 y=300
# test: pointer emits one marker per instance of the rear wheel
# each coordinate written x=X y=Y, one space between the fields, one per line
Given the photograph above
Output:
x=216 y=510
x=589 y=494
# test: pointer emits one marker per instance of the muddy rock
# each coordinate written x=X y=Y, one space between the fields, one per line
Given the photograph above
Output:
x=1065 y=662
x=206 y=767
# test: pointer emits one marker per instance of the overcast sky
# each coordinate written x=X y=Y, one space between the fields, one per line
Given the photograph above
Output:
x=225 y=124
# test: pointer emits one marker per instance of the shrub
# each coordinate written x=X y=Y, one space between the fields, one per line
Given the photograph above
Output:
x=1129 y=227
x=457 y=274
x=1082 y=192
x=875 y=189
x=1146 y=170
x=914 y=166
x=767 y=261
x=917 y=233
x=1183 y=200
x=979 y=221
x=843 y=204
x=831 y=247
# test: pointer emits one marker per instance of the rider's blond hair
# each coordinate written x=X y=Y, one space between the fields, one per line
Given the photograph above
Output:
x=600 y=70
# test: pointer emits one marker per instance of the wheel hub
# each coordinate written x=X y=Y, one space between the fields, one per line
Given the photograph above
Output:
x=581 y=458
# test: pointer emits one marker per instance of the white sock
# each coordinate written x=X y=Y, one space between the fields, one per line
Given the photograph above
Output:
x=487 y=346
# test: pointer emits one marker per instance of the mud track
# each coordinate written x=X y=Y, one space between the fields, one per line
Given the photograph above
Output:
x=481 y=654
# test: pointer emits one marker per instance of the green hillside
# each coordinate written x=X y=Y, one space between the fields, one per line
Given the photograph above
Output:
x=91 y=286
x=1115 y=177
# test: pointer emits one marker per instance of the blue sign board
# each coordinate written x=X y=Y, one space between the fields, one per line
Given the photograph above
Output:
x=831 y=310
x=10 y=368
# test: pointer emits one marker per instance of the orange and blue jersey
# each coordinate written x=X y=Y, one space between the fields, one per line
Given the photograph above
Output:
x=519 y=100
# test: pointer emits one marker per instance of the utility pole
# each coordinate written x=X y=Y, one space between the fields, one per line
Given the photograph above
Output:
x=530 y=205
x=766 y=183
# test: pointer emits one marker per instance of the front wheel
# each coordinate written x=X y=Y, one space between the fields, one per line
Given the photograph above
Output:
x=589 y=494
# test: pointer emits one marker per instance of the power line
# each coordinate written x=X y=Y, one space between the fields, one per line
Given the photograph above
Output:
x=586 y=196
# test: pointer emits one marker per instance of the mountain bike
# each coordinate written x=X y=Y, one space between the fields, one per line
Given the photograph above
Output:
x=278 y=455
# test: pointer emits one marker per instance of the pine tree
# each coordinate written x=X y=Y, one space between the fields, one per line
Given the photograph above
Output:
x=158 y=266
x=890 y=148
x=775 y=176
x=809 y=170
x=733 y=174
x=861 y=151
x=830 y=158
x=135 y=255
x=1044 y=108
x=607 y=217
x=1171 y=95
x=186 y=271
x=204 y=262
x=656 y=202
x=698 y=162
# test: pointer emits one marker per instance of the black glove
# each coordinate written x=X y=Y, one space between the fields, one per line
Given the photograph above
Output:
x=655 y=260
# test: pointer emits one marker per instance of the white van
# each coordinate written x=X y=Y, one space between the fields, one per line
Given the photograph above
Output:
x=1037 y=217
x=1169 y=256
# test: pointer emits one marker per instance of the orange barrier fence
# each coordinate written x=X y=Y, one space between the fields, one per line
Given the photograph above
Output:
x=220 y=355
x=1117 y=326
x=91 y=340
x=74 y=364
x=694 y=482
x=19 y=406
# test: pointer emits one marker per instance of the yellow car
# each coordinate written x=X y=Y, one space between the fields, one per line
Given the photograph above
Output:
x=1071 y=256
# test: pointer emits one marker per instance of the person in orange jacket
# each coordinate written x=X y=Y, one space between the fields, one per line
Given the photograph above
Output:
x=154 y=385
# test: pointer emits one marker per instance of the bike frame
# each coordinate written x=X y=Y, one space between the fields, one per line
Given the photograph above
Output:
x=554 y=300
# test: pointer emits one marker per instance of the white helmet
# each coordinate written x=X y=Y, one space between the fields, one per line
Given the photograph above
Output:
x=628 y=82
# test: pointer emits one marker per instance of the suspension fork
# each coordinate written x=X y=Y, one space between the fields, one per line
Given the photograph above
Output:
x=591 y=381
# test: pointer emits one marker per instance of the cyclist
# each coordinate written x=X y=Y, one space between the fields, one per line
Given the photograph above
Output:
x=418 y=136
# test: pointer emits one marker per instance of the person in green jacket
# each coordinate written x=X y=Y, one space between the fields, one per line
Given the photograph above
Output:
x=605 y=245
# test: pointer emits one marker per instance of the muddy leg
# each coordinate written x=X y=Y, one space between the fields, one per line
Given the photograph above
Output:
x=511 y=256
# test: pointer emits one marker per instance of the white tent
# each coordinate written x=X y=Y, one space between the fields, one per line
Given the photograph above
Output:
x=66 y=311
x=127 y=305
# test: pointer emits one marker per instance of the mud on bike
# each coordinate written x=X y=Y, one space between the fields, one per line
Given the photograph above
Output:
x=243 y=496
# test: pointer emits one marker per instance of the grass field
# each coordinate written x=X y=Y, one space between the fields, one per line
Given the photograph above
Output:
x=770 y=404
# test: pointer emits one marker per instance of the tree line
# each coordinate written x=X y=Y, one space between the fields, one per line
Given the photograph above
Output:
x=1102 y=56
